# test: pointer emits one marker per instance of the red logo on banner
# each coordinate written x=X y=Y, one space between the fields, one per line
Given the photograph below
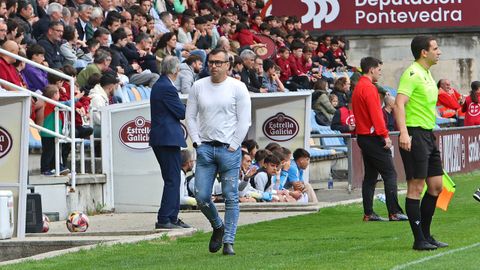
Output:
x=5 y=142
x=135 y=133
x=280 y=128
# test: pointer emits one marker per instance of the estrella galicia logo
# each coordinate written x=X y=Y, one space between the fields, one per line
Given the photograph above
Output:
x=280 y=128
x=135 y=133
x=323 y=13
x=6 y=142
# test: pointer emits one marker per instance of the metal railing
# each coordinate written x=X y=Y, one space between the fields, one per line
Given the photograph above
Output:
x=70 y=109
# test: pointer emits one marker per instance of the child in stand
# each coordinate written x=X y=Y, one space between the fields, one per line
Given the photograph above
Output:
x=271 y=80
x=263 y=179
x=47 y=160
x=280 y=179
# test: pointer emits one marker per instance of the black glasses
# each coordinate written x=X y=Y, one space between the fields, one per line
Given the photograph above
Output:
x=216 y=63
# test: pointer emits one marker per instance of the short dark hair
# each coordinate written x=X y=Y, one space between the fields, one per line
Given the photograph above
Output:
x=53 y=79
x=192 y=59
x=69 y=33
x=420 y=43
x=262 y=154
x=118 y=35
x=250 y=144
x=268 y=64
x=299 y=153
x=52 y=24
x=368 y=63
x=273 y=146
x=186 y=19
x=272 y=159
x=186 y=156
x=69 y=70
x=108 y=78
x=219 y=50
x=100 y=32
x=34 y=49
x=200 y=20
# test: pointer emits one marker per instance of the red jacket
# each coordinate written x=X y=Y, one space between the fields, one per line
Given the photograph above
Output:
x=367 y=109
x=295 y=65
x=322 y=48
x=285 y=71
x=472 y=112
x=245 y=37
x=448 y=103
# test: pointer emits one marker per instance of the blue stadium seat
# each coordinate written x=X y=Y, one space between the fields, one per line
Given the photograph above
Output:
x=319 y=153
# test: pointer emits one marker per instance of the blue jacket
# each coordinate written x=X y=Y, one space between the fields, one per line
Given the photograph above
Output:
x=166 y=110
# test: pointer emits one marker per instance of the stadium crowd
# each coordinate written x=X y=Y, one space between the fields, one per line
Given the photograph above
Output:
x=107 y=44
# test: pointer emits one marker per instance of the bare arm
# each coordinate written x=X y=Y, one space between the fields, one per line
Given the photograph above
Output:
x=399 y=111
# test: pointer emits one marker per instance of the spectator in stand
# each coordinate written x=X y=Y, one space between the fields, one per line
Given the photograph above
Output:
x=471 y=106
x=35 y=78
x=271 y=80
x=3 y=9
x=333 y=57
x=256 y=21
x=54 y=14
x=321 y=104
x=3 y=31
x=186 y=29
x=22 y=17
x=344 y=119
x=224 y=26
x=103 y=36
x=246 y=193
x=202 y=35
x=187 y=166
x=121 y=65
x=96 y=19
x=47 y=160
x=259 y=68
x=248 y=74
x=324 y=46
x=51 y=43
x=140 y=52
x=250 y=146
x=166 y=47
x=302 y=190
x=8 y=71
x=263 y=179
x=71 y=50
x=188 y=74
x=101 y=63
x=84 y=26
x=449 y=102
x=101 y=96
x=388 y=115
x=245 y=36
x=341 y=88
x=260 y=156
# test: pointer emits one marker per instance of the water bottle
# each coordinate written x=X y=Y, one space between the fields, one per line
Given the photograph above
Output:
x=381 y=197
x=330 y=183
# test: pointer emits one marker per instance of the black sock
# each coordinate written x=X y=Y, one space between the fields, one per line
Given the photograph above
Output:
x=412 y=207
x=427 y=209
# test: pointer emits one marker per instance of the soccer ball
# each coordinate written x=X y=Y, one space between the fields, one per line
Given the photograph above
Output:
x=46 y=223
x=77 y=222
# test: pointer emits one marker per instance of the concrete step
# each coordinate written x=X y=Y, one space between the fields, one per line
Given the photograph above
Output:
x=34 y=164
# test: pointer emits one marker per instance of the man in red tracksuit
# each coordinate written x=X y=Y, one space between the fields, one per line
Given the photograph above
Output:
x=373 y=139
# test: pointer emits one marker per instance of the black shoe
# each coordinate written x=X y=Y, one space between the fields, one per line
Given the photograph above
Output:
x=216 y=239
x=182 y=224
x=423 y=245
x=167 y=226
x=228 y=249
x=434 y=242
x=476 y=195
x=373 y=217
x=397 y=217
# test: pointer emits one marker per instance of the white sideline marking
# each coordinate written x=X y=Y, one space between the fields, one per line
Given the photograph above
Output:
x=403 y=266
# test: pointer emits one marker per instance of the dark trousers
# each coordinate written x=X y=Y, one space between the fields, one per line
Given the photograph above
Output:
x=170 y=164
x=47 y=160
x=83 y=132
x=377 y=159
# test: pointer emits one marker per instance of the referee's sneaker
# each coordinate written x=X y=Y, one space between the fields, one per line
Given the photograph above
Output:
x=476 y=195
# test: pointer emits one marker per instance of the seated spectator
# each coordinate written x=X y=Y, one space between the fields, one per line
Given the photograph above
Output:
x=341 y=88
x=246 y=192
x=101 y=96
x=321 y=103
x=101 y=63
x=244 y=36
x=251 y=147
x=237 y=68
x=51 y=43
x=263 y=179
x=71 y=50
x=286 y=76
x=387 y=109
x=334 y=58
x=8 y=71
x=201 y=35
x=166 y=47
x=259 y=67
x=449 y=100
x=121 y=65
x=23 y=17
x=260 y=156
x=187 y=166
x=471 y=106
x=273 y=146
x=281 y=176
x=188 y=73
x=92 y=46
x=103 y=36
x=248 y=74
x=302 y=192
x=54 y=15
x=186 y=29
x=35 y=78
x=271 y=80
x=343 y=119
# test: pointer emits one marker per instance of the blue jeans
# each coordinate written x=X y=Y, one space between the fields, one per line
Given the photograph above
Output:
x=210 y=161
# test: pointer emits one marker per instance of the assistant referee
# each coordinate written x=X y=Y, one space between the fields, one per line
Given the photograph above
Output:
x=415 y=115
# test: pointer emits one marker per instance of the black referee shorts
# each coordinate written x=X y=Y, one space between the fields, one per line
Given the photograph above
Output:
x=423 y=160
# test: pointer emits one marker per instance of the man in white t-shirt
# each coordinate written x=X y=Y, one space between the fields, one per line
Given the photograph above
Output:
x=218 y=117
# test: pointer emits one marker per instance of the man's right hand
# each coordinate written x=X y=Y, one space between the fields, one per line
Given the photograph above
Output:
x=404 y=141
x=388 y=143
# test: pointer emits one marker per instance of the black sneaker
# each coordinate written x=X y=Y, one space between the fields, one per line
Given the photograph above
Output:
x=373 y=217
x=476 y=195
x=434 y=242
x=423 y=245
x=182 y=224
x=167 y=226
x=397 y=217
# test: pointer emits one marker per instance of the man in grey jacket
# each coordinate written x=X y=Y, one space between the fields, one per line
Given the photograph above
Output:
x=188 y=73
